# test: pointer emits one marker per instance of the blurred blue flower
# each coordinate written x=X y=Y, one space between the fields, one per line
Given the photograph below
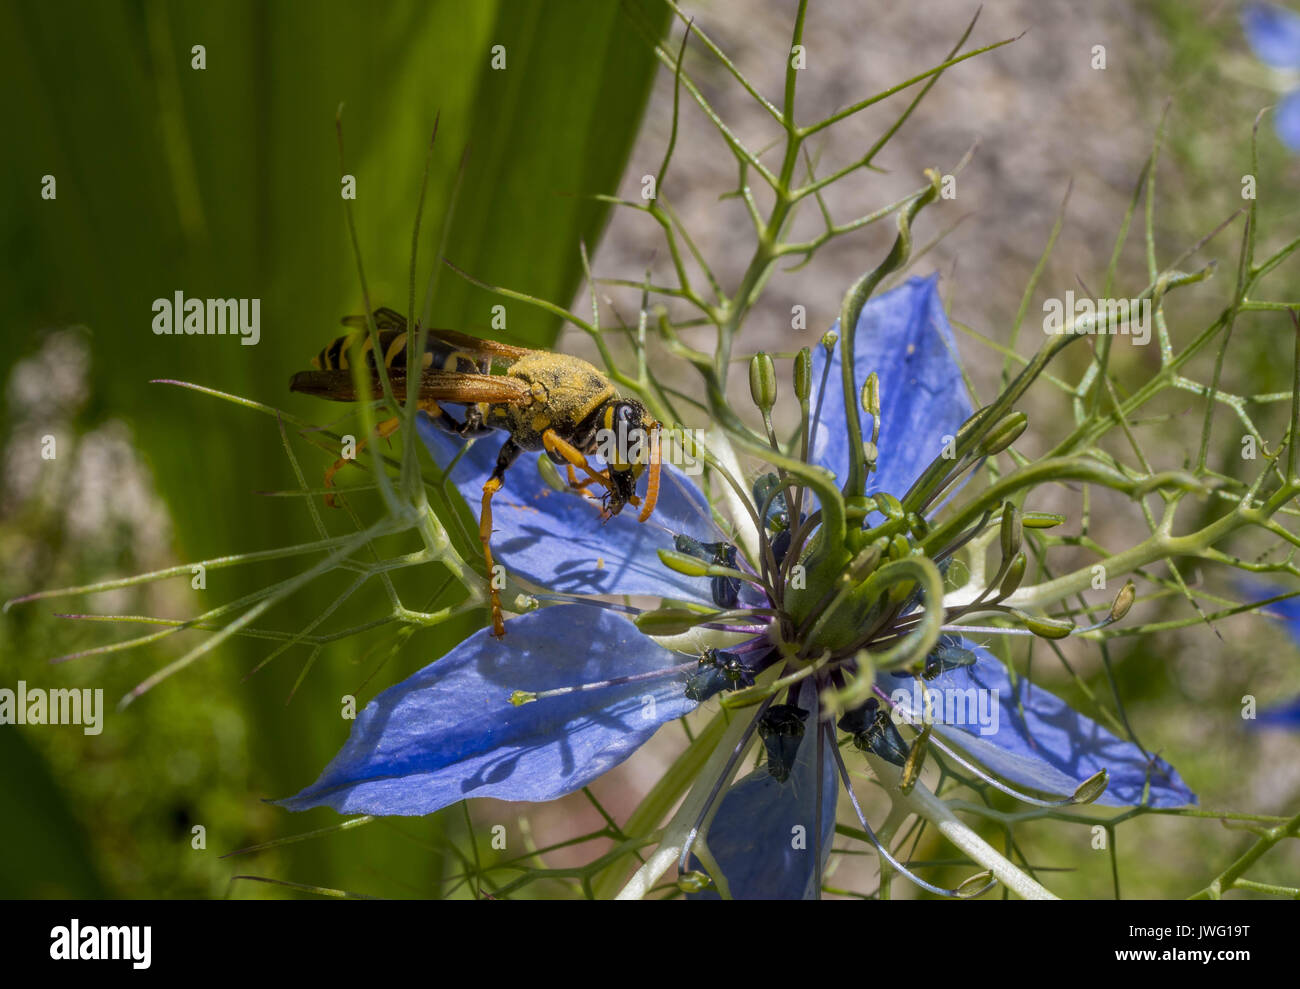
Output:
x=451 y=732
x=1286 y=714
x=1274 y=35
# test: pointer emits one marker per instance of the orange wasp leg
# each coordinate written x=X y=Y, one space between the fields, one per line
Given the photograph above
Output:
x=385 y=429
x=490 y=487
x=583 y=485
x=553 y=443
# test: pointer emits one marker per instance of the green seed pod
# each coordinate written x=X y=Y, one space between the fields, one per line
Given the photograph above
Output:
x=1041 y=520
x=551 y=474
x=694 y=882
x=669 y=621
x=871 y=395
x=870 y=454
x=1011 y=533
x=1047 y=628
x=1091 y=788
x=803 y=374
x=1012 y=578
x=762 y=381
x=684 y=563
x=917 y=526
x=1004 y=434
x=889 y=506
x=1123 y=601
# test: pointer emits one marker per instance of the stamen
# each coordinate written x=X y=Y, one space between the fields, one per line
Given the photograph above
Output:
x=724 y=777
x=520 y=697
x=990 y=780
x=884 y=852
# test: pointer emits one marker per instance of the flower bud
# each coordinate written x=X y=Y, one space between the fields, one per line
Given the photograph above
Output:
x=1091 y=788
x=1011 y=533
x=1047 y=628
x=1041 y=520
x=803 y=374
x=871 y=395
x=762 y=381
x=1123 y=601
x=1004 y=434
x=889 y=506
x=1014 y=575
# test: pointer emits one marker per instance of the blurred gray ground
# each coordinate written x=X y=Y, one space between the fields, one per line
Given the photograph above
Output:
x=1042 y=116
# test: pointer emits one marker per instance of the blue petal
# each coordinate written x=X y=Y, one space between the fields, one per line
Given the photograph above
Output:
x=1286 y=120
x=1273 y=33
x=903 y=336
x=1288 y=609
x=556 y=539
x=752 y=837
x=1285 y=716
x=450 y=732
x=1047 y=746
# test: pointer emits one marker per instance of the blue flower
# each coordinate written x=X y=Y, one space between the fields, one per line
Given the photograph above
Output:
x=451 y=732
x=1286 y=714
x=1274 y=34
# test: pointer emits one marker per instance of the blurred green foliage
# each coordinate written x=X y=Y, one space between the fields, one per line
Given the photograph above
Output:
x=224 y=182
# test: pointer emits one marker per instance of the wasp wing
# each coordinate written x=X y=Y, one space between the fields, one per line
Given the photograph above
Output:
x=389 y=319
x=385 y=319
x=440 y=386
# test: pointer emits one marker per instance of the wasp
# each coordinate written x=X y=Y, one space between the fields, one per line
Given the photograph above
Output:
x=544 y=401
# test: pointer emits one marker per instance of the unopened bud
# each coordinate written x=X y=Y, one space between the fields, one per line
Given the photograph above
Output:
x=871 y=395
x=803 y=374
x=762 y=381
x=1004 y=434
x=1011 y=532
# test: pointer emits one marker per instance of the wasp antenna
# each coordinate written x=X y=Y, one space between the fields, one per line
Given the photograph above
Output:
x=652 y=486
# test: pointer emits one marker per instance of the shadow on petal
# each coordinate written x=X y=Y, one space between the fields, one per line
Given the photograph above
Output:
x=556 y=538
x=450 y=732
x=1030 y=738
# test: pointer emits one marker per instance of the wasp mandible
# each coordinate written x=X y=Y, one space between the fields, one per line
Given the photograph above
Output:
x=544 y=401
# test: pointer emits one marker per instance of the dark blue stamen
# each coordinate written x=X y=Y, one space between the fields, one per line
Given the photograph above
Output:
x=726 y=590
x=781 y=730
x=873 y=731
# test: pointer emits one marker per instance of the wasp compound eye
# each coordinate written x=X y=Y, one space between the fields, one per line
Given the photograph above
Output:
x=781 y=730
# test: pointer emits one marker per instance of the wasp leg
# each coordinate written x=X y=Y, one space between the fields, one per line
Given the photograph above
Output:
x=385 y=429
x=583 y=485
x=553 y=443
x=474 y=424
x=509 y=452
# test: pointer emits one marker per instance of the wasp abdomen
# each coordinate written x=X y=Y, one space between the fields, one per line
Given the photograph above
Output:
x=344 y=351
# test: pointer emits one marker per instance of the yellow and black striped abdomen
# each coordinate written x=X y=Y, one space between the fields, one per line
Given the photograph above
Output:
x=344 y=351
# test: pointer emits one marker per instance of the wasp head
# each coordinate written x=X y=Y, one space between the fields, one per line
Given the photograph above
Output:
x=629 y=441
